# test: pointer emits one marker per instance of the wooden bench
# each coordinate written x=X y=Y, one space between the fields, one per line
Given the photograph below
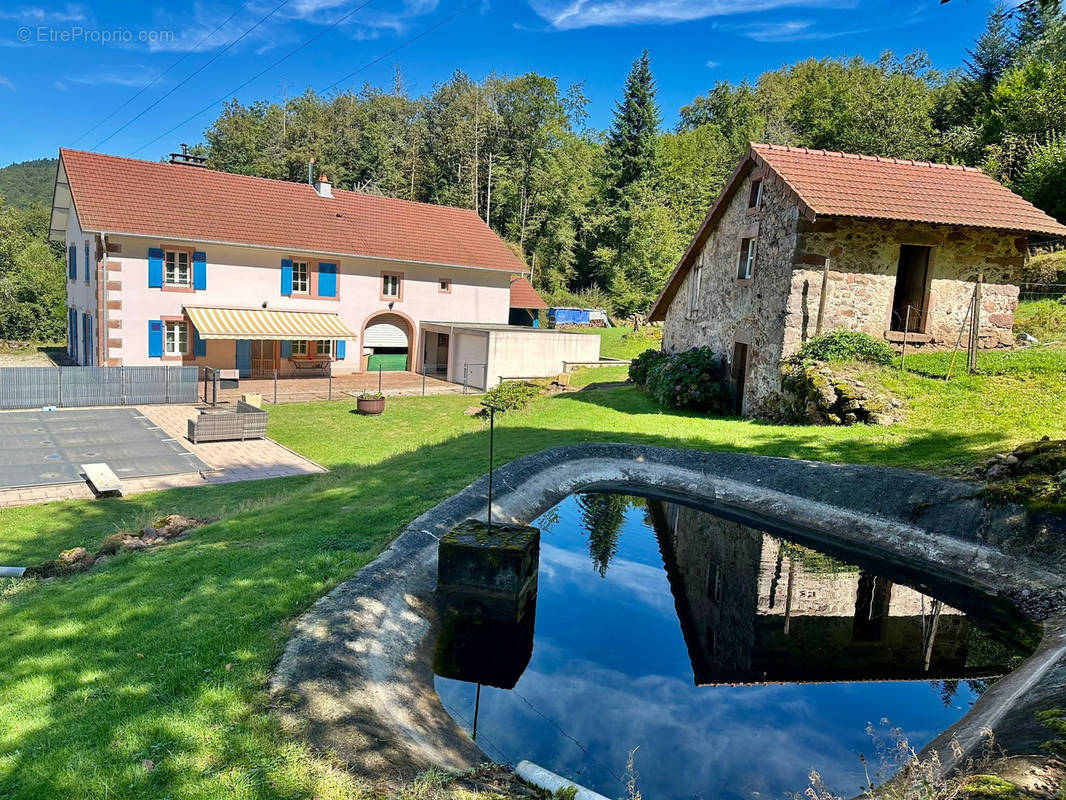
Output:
x=311 y=363
x=103 y=480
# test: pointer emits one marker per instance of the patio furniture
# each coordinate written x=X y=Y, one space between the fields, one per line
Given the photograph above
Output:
x=321 y=364
x=218 y=425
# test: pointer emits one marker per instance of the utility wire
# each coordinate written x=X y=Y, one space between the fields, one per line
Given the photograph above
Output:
x=255 y=77
x=157 y=78
x=196 y=72
x=352 y=74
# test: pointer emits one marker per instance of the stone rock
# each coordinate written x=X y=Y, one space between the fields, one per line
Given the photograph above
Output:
x=1011 y=460
x=133 y=543
x=998 y=472
x=102 y=561
x=894 y=402
x=149 y=533
x=75 y=555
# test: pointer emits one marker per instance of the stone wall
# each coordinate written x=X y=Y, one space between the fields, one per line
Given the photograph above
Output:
x=730 y=310
x=863 y=259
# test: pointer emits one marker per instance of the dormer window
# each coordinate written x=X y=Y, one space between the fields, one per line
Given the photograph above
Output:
x=755 y=196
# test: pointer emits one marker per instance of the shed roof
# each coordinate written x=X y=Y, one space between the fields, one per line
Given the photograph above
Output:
x=831 y=184
x=523 y=295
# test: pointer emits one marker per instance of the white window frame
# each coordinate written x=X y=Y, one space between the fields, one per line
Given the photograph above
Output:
x=299 y=347
x=695 y=278
x=757 y=186
x=327 y=345
x=168 y=262
x=746 y=259
x=175 y=338
x=301 y=277
x=393 y=280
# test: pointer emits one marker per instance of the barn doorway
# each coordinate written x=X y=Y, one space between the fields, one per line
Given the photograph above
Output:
x=912 y=289
x=386 y=344
x=435 y=353
x=739 y=374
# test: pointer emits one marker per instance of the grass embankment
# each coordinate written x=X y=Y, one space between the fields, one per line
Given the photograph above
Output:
x=1043 y=319
x=145 y=678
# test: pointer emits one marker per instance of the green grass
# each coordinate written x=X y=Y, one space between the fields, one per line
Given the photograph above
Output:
x=585 y=376
x=163 y=656
x=622 y=342
x=1044 y=319
x=1030 y=361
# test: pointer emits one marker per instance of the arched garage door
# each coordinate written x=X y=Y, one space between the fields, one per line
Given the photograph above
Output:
x=386 y=343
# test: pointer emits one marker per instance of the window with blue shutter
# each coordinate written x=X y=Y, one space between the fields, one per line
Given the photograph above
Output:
x=74 y=334
x=72 y=262
x=286 y=348
x=327 y=280
x=286 y=276
x=87 y=270
x=341 y=348
x=199 y=270
x=90 y=341
x=199 y=346
x=155 y=338
x=155 y=268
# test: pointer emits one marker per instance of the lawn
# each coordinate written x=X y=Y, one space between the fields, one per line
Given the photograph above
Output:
x=145 y=678
x=623 y=342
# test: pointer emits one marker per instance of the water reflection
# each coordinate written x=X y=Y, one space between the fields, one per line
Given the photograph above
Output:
x=734 y=660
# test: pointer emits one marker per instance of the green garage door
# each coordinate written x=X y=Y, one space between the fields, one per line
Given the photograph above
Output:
x=387 y=362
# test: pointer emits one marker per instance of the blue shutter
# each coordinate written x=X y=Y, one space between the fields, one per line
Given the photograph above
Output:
x=155 y=268
x=74 y=332
x=87 y=270
x=327 y=280
x=72 y=335
x=244 y=357
x=341 y=348
x=155 y=338
x=90 y=353
x=286 y=348
x=199 y=346
x=286 y=276
x=73 y=262
x=199 y=270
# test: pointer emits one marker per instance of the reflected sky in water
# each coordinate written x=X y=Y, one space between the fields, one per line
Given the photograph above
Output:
x=611 y=670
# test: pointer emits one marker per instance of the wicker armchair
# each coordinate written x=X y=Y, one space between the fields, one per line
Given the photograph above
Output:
x=247 y=422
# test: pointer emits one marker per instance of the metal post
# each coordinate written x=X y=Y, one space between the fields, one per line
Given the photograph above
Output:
x=275 y=387
x=329 y=393
x=958 y=340
x=205 y=385
x=466 y=368
x=166 y=384
x=477 y=709
x=975 y=324
x=59 y=386
x=492 y=443
x=214 y=387
x=379 y=378
x=423 y=378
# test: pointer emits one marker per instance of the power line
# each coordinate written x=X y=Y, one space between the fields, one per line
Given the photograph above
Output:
x=157 y=78
x=255 y=77
x=202 y=67
x=366 y=66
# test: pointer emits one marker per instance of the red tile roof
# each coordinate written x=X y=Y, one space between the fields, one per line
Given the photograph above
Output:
x=523 y=295
x=831 y=184
x=848 y=185
x=174 y=201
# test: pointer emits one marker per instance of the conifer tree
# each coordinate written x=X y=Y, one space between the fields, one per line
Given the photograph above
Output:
x=630 y=153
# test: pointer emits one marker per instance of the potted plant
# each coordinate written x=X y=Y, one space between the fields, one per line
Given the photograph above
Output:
x=370 y=403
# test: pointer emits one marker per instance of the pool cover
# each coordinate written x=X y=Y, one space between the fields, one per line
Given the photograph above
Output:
x=41 y=448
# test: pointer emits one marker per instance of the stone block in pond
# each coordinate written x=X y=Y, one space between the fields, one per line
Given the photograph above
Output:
x=479 y=649
x=493 y=573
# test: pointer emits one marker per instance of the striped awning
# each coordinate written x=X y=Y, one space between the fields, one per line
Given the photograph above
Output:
x=261 y=323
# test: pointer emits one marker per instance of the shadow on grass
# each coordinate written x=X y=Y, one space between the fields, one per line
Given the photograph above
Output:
x=128 y=663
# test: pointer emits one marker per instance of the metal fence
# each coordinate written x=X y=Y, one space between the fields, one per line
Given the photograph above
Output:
x=73 y=387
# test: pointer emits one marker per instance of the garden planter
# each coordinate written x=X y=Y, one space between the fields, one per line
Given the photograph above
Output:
x=370 y=406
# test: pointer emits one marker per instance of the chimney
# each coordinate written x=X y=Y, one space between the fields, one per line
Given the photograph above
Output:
x=323 y=187
x=184 y=157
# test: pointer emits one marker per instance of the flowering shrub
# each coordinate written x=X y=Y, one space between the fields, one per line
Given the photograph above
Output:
x=639 y=366
x=696 y=380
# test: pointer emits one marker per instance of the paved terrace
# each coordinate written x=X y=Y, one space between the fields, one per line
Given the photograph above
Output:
x=254 y=459
x=300 y=389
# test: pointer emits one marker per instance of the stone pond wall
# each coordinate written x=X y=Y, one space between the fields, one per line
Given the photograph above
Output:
x=731 y=310
x=863 y=258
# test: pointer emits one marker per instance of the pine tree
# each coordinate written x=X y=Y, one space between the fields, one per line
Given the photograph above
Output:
x=1031 y=24
x=630 y=152
x=992 y=53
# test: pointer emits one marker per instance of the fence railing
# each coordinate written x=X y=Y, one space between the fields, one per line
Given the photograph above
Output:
x=1041 y=291
x=79 y=387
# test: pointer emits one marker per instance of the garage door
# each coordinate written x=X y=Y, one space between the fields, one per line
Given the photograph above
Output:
x=388 y=330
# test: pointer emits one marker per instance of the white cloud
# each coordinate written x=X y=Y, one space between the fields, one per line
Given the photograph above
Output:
x=136 y=76
x=43 y=16
x=7 y=82
x=573 y=14
x=713 y=64
x=796 y=31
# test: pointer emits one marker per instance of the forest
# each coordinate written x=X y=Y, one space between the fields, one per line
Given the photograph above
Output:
x=602 y=217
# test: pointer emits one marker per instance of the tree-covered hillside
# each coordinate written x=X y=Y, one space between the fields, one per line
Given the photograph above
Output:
x=28 y=182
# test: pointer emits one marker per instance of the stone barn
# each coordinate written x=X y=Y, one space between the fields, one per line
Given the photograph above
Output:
x=897 y=246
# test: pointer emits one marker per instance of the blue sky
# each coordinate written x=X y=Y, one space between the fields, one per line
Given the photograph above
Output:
x=64 y=67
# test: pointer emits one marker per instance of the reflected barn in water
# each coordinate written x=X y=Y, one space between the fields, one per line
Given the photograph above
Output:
x=697 y=640
x=756 y=609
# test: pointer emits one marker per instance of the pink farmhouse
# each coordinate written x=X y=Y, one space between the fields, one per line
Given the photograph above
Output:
x=173 y=263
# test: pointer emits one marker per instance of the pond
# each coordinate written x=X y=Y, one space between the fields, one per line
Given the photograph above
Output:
x=722 y=661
